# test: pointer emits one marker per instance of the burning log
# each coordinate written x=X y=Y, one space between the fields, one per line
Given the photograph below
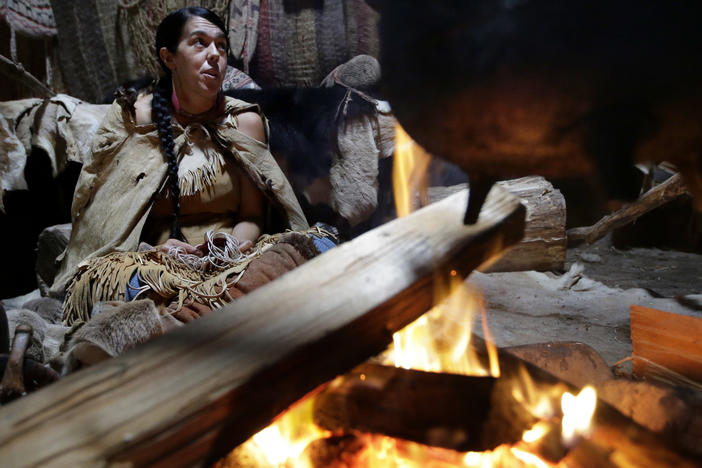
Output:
x=438 y=409
x=673 y=412
x=190 y=396
x=478 y=413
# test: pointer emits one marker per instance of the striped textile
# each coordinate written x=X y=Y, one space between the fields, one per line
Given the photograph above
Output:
x=92 y=53
x=300 y=42
x=33 y=18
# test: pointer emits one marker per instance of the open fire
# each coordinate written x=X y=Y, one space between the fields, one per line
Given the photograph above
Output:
x=439 y=341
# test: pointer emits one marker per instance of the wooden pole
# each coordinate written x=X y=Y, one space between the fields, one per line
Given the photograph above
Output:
x=659 y=195
x=190 y=396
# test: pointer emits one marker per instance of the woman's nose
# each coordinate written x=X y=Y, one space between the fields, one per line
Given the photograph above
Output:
x=213 y=53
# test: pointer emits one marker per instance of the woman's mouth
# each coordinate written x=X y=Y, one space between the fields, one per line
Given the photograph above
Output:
x=211 y=73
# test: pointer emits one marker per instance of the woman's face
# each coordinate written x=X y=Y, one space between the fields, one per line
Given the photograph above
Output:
x=200 y=61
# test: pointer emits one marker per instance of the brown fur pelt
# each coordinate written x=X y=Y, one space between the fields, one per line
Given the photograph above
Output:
x=118 y=327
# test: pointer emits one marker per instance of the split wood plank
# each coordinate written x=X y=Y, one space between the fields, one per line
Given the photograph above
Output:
x=673 y=341
x=190 y=396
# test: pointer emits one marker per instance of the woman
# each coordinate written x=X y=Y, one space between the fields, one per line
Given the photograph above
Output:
x=168 y=167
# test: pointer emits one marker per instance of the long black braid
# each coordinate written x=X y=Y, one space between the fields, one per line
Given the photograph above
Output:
x=161 y=115
x=168 y=35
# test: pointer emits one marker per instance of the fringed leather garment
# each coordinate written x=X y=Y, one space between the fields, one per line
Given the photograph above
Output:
x=116 y=192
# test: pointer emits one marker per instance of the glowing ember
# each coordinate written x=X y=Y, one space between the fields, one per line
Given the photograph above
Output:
x=410 y=164
x=529 y=458
x=577 y=413
x=536 y=433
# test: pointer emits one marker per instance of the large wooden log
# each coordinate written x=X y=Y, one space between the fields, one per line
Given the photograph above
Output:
x=438 y=409
x=190 y=396
x=479 y=413
x=543 y=247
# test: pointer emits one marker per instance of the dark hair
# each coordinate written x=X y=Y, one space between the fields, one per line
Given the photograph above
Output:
x=168 y=36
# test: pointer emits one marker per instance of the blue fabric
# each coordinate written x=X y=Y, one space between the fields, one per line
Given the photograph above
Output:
x=323 y=243
x=133 y=288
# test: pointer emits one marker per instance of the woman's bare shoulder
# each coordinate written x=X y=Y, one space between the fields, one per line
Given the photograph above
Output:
x=251 y=124
x=142 y=109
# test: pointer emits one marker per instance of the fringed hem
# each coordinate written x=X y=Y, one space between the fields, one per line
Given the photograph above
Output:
x=106 y=279
x=196 y=180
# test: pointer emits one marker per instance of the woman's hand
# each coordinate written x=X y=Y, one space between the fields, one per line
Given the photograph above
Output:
x=189 y=249
x=188 y=312
x=245 y=246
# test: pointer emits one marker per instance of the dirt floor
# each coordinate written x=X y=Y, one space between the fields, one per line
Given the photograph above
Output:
x=590 y=302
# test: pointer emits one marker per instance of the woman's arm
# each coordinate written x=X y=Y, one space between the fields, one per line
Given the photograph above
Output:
x=252 y=204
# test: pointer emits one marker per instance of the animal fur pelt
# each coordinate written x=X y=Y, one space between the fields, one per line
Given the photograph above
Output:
x=47 y=337
x=333 y=136
x=118 y=327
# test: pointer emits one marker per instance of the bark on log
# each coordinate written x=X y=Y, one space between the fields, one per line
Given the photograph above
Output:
x=543 y=247
x=657 y=196
x=189 y=397
x=438 y=409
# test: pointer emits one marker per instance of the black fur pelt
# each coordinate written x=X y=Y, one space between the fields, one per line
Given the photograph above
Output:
x=303 y=132
x=303 y=123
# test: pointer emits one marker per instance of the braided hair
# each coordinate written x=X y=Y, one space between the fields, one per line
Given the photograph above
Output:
x=168 y=36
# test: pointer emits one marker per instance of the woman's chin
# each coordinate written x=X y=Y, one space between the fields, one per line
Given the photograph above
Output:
x=209 y=92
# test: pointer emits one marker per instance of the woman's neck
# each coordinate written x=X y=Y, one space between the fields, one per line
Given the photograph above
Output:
x=186 y=118
x=189 y=105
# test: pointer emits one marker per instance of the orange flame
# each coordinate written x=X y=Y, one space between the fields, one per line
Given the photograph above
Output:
x=440 y=340
x=577 y=413
x=409 y=171
x=283 y=442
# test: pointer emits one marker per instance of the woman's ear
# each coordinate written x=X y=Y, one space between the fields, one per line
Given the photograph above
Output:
x=167 y=57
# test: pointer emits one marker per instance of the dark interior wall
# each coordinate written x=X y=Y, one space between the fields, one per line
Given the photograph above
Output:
x=31 y=53
x=27 y=212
